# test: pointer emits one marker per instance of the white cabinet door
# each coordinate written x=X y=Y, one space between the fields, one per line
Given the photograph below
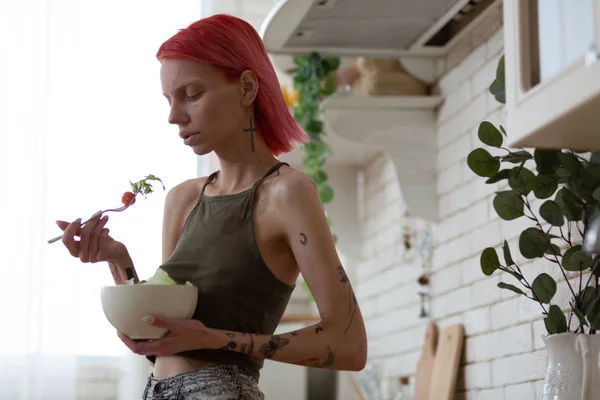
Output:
x=552 y=73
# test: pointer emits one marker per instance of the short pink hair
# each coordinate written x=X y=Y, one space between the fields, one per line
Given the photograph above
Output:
x=233 y=45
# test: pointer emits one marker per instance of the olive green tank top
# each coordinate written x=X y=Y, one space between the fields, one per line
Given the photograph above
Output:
x=217 y=252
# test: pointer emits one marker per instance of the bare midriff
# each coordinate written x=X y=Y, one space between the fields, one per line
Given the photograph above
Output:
x=167 y=366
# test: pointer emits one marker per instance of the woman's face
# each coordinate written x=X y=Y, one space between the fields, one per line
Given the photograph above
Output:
x=208 y=108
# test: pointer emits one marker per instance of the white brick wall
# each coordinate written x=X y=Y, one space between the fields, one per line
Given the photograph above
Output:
x=504 y=357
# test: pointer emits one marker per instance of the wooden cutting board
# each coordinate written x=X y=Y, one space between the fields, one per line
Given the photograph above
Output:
x=425 y=365
x=447 y=363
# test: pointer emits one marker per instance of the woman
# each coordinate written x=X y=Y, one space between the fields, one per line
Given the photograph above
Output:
x=241 y=235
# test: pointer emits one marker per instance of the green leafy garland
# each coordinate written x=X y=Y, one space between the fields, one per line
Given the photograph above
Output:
x=314 y=81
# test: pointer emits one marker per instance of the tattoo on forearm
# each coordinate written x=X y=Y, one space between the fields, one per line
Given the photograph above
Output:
x=269 y=349
x=318 y=329
x=251 y=130
x=313 y=362
x=294 y=333
x=353 y=304
x=230 y=334
x=329 y=362
x=230 y=346
x=303 y=239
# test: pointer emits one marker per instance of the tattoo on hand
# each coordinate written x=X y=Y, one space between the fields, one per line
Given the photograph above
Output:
x=303 y=239
x=268 y=349
x=251 y=130
x=230 y=346
x=318 y=329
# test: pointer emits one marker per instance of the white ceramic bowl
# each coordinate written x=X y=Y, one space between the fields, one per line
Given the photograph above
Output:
x=126 y=305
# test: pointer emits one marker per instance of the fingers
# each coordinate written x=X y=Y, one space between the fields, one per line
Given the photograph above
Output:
x=84 y=243
x=68 y=239
x=95 y=239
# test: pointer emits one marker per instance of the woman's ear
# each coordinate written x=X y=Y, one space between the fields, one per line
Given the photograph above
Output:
x=249 y=85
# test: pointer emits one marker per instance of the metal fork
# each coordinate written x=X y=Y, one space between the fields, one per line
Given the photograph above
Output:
x=97 y=214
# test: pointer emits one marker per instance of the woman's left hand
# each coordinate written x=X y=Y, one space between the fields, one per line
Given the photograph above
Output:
x=183 y=335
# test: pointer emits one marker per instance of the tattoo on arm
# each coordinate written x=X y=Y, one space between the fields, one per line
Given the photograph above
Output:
x=353 y=304
x=303 y=239
x=295 y=333
x=313 y=362
x=318 y=329
x=269 y=349
x=230 y=346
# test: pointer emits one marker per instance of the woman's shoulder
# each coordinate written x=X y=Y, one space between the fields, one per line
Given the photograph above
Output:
x=289 y=183
x=185 y=192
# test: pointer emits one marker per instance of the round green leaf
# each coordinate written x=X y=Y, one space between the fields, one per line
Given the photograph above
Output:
x=545 y=185
x=555 y=322
x=544 y=288
x=498 y=90
x=489 y=261
x=508 y=205
x=326 y=194
x=500 y=76
x=533 y=243
x=546 y=160
x=522 y=180
x=330 y=85
x=507 y=256
x=575 y=259
x=510 y=287
x=590 y=176
x=570 y=163
x=502 y=174
x=552 y=213
x=517 y=157
x=482 y=163
x=569 y=204
x=489 y=134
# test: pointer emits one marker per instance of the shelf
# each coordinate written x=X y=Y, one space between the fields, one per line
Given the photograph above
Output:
x=404 y=128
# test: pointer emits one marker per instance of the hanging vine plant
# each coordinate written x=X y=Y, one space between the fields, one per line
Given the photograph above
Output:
x=314 y=81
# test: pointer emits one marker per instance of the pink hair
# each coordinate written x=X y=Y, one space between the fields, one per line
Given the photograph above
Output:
x=233 y=45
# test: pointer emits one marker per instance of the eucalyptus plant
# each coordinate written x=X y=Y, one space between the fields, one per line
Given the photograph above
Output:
x=569 y=183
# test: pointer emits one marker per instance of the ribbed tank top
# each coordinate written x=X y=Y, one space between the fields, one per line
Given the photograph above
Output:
x=217 y=252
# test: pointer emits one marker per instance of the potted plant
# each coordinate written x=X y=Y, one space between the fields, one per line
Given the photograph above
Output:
x=567 y=183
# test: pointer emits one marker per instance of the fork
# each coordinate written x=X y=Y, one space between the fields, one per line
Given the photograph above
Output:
x=97 y=214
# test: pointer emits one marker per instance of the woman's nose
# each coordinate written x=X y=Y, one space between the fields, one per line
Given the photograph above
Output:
x=177 y=116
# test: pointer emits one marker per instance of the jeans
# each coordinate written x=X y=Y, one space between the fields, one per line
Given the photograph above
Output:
x=217 y=382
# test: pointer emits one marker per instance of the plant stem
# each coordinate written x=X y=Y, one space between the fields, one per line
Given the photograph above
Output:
x=562 y=270
x=593 y=273
x=562 y=235
x=528 y=287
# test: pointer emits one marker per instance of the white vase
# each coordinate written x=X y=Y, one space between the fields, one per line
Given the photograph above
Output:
x=573 y=367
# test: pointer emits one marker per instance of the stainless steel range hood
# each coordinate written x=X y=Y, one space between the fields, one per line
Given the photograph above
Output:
x=377 y=28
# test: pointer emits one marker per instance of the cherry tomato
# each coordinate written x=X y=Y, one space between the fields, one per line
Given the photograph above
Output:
x=127 y=196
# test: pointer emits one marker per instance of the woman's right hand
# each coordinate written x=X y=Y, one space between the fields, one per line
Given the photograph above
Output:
x=95 y=245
